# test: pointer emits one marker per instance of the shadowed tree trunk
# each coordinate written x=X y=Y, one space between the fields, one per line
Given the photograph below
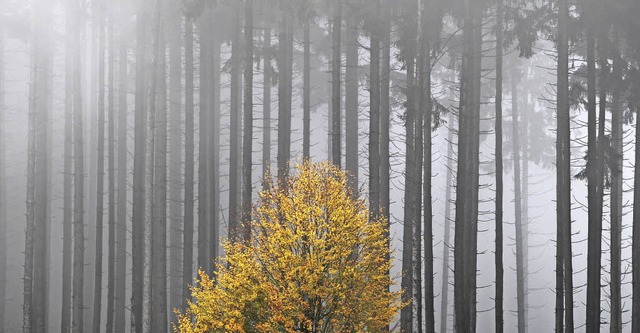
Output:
x=499 y=297
x=285 y=68
x=189 y=176
x=446 y=244
x=112 y=178
x=306 y=103
x=99 y=223
x=123 y=172
x=374 y=117
x=174 y=40
x=517 y=180
x=204 y=190
x=351 y=103
x=336 y=70
x=247 y=142
x=266 y=102
x=3 y=206
x=139 y=161
x=234 y=123
x=67 y=206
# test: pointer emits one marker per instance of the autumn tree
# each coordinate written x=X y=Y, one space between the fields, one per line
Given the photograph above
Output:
x=315 y=263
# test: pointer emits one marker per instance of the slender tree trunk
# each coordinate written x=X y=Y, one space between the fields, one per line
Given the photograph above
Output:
x=306 y=103
x=139 y=167
x=446 y=244
x=594 y=240
x=67 y=215
x=247 y=142
x=635 y=252
x=174 y=35
x=29 y=240
x=617 y=137
x=159 y=228
x=285 y=63
x=266 y=102
x=234 y=142
x=517 y=180
x=383 y=203
x=99 y=223
x=204 y=211
x=78 y=183
x=336 y=70
x=123 y=172
x=351 y=103
x=214 y=157
x=499 y=297
x=375 y=168
x=427 y=107
x=189 y=176
x=112 y=178
x=3 y=200
x=409 y=228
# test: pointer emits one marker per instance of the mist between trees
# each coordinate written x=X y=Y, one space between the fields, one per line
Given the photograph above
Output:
x=497 y=137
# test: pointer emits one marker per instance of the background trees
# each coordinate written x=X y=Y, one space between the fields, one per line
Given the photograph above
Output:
x=406 y=95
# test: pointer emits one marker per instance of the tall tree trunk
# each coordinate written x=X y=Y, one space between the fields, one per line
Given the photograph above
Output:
x=121 y=209
x=564 y=267
x=78 y=183
x=234 y=142
x=285 y=69
x=374 y=118
x=427 y=108
x=139 y=167
x=67 y=209
x=517 y=180
x=306 y=92
x=594 y=240
x=30 y=202
x=112 y=177
x=446 y=244
x=409 y=228
x=635 y=252
x=466 y=220
x=247 y=142
x=174 y=36
x=3 y=200
x=159 y=228
x=42 y=66
x=214 y=157
x=351 y=103
x=189 y=176
x=266 y=102
x=336 y=70
x=204 y=190
x=99 y=223
x=617 y=137
x=499 y=297
x=383 y=202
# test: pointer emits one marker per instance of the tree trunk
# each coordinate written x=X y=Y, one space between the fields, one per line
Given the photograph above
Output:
x=336 y=70
x=247 y=142
x=617 y=137
x=383 y=197
x=266 y=102
x=594 y=240
x=204 y=191
x=78 y=183
x=123 y=172
x=499 y=297
x=174 y=35
x=67 y=210
x=409 y=228
x=635 y=252
x=3 y=200
x=427 y=108
x=234 y=142
x=214 y=157
x=306 y=92
x=189 y=176
x=351 y=103
x=375 y=150
x=139 y=161
x=159 y=228
x=446 y=244
x=285 y=63
x=518 y=201
x=112 y=179
x=97 y=291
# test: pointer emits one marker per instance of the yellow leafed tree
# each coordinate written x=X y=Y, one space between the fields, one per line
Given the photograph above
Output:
x=314 y=263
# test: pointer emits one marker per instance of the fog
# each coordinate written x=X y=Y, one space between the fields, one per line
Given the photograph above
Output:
x=134 y=136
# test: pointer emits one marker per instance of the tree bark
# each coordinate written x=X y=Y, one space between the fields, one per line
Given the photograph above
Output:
x=99 y=223
x=111 y=178
x=189 y=176
x=285 y=70
x=499 y=297
x=266 y=103
x=306 y=98
x=375 y=150
x=234 y=142
x=517 y=180
x=121 y=209
x=204 y=190
x=351 y=103
x=336 y=70
x=247 y=141
x=446 y=244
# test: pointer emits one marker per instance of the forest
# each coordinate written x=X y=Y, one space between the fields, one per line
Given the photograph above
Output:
x=496 y=139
